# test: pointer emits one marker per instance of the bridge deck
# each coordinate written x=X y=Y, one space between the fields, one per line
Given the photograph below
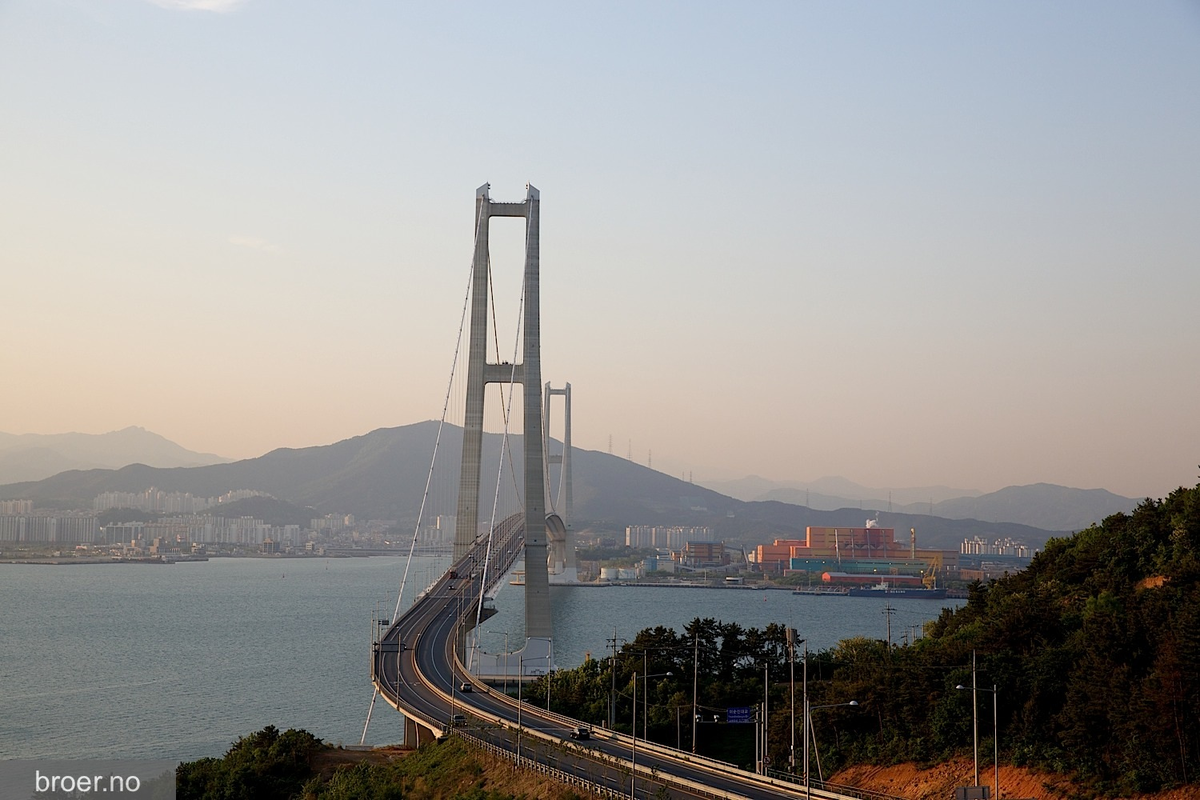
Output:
x=417 y=668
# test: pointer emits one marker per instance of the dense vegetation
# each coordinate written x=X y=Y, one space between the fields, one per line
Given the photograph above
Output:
x=266 y=764
x=295 y=765
x=1094 y=651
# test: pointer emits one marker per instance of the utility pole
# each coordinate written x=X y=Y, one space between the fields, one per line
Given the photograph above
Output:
x=975 y=714
x=996 y=737
x=520 y=681
x=766 y=715
x=805 y=723
x=758 y=738
x=549 y=674
x=612 y=694
x=695 y=677
x=791 y=642
x=633 y=749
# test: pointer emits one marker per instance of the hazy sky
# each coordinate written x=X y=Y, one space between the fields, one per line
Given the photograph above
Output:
x=907 y=243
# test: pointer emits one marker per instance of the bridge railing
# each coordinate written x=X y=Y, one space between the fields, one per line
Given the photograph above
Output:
x=646 y=748
x=647 y=774
x=775 y=780
x=591 y=787
x=828 y=787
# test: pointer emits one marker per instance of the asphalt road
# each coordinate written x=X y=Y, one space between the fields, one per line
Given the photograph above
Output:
x=417 y=671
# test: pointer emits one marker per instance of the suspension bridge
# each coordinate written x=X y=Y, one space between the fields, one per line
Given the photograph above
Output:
x=425 y=663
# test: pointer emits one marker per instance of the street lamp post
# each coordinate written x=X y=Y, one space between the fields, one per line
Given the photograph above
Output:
x=808 y=721
x=633 y=751
x=975 y=714
x=766 y=716
x=695 y=678
x=633 y=728
x=804 y=710
x=520 y=676
x=996 y=739
x=646 y=702
x=520 y=700
x=546 y=675
x=995 y=692
x=791 y=636
x=549 y=674
x=612 y=692
x=792 y=642
x=758 y=738
x=454 y=658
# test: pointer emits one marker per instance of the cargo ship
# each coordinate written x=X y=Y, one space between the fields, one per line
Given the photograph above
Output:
x=884 y=589
x=824 y=591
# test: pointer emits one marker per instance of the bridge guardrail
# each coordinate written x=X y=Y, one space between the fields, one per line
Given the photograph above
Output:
x=664 y=751
x=599 y=758
x=647 y=772
x=591 y=787
x=836 y=789
x=647 y=747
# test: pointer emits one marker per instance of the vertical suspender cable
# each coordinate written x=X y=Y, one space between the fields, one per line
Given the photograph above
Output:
x=437 y=441
x=429 y=478
x=483 y=583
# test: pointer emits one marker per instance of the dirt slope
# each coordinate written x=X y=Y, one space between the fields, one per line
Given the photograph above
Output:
x=938 y=782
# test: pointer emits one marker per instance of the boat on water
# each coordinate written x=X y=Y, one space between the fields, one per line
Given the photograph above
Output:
x=825 y=591
x=884 y=589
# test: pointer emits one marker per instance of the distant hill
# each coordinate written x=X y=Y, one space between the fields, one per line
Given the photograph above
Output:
x=1041 y=505
x=382 y=475
x=622 y=492
x=378 y=475
x=35 y=456
x=834 y=492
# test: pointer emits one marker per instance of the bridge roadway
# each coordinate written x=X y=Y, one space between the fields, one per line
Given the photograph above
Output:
x=417 y=669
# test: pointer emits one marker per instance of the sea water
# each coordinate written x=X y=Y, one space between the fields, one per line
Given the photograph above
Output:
x=178 y=661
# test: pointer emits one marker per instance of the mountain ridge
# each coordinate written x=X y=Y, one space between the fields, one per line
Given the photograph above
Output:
x=1042 y=505
x=36 y=456
x=382 y=475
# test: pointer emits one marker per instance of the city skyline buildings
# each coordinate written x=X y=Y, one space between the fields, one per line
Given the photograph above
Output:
x=939 y=246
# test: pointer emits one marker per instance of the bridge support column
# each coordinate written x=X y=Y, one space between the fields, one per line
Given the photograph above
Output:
x=416 y=734
x=529 y=373
x=537 y=579
x=563 y=568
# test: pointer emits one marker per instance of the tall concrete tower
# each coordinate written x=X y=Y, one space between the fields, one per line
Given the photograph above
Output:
x=529 y=375
x=563 y=568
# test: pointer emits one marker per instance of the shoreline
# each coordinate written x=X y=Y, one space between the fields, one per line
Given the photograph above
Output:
x=61 y=561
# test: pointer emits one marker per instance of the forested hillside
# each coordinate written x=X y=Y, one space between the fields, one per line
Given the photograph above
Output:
x=1094 y=651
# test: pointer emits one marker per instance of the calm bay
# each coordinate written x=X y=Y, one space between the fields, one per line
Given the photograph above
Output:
x=177 y=661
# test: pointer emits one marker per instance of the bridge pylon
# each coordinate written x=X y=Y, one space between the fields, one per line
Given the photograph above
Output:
x=529 y=374
x=560 y=530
